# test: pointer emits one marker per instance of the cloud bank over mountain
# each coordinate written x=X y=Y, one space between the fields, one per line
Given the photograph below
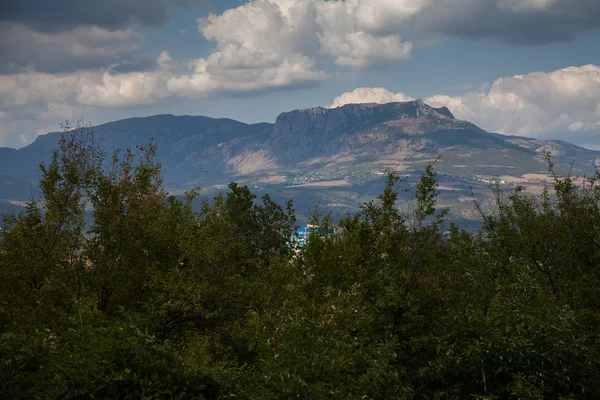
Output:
x=65 y=15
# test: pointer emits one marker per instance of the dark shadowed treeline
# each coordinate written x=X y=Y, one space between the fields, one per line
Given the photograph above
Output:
x=153 y=300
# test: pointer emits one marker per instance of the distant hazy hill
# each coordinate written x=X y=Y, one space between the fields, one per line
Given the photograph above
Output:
x=334 y=157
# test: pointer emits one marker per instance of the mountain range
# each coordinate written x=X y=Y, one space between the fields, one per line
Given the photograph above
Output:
x=330 y=158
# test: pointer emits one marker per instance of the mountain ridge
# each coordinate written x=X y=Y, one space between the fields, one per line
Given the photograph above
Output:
x=326 y=155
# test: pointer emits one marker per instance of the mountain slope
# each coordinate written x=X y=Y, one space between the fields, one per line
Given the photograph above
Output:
x=336 y=157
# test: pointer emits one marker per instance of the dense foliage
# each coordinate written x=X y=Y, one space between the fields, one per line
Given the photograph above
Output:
x=154 y=300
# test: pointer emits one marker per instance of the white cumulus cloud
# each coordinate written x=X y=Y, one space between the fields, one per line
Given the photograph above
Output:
x=369 y=95
x=262 y=33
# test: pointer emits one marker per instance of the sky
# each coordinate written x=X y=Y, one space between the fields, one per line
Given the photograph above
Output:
x=516 y=67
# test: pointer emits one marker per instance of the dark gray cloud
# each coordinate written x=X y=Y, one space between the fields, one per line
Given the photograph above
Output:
x=64 y=15
x=80 y=48
x=61 y=36
x=515 y=22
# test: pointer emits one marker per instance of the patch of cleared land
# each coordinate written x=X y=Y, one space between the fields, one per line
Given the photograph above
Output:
x=337 y=160
x=395 y=160
x=482 y=166
x=339 y=205
x=527 y=178
x=249 y=162
x=329 y=162
x=337 y=183
x=537 y=189
x=273 y=179
x=441 y=187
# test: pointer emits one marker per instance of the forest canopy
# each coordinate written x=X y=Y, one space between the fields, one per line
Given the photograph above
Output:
x=154 y=299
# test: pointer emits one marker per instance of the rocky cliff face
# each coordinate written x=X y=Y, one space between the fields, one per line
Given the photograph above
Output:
x=302 y=134
x=353 y=117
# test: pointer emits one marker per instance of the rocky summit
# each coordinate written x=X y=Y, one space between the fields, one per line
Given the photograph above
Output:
x=333 y=158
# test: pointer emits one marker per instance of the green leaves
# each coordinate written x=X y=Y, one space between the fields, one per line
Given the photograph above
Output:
x=116 y=360
x=153 y=299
